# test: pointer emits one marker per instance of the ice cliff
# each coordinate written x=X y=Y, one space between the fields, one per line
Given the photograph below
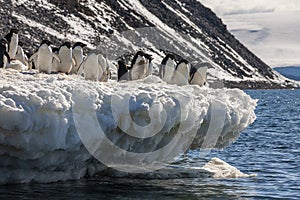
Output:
x=44 y=120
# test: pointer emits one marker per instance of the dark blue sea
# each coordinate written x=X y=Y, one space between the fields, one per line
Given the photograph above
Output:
x=270 y=148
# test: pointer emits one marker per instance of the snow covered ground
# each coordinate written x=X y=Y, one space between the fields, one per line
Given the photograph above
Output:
x=268 y=28
x=48 y=123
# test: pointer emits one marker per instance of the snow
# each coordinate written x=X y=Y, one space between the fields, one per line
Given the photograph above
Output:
x=45 y=122
x=222 y=169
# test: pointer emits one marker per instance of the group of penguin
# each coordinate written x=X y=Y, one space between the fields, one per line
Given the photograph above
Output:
x=71 y=60
x=171 y=71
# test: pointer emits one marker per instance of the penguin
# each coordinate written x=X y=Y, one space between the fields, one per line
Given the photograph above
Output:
x=91 y=68
x=54 y=61
x=150 y=64
x=181 y=73
x=105 y=68
x=77 y=53
x=13 y=40
x=44 y=57
x=4 y=56
x=32 y=60
x=122 y=70
x=198 y=74
x=167 y=68
x=139 y=66
x=21 y=56
x=66 y=59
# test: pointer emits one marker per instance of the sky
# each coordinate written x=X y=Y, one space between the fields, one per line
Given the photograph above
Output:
x=228 y=7
x=269 y=28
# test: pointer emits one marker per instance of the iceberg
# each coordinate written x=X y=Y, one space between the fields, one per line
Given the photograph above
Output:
x=58 y=127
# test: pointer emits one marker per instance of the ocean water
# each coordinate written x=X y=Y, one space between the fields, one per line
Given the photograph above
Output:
x=269 y=148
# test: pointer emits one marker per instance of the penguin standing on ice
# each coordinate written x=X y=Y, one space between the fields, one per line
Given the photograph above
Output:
x=13 y=40
x=44 y=57
x=54 y=60
x=150 y=64
x=122 y=70
x=167 y=68
x=181 y=73
x=77 y=53
x=4 y=56
x=66 y=58
x=139 y=66
x=105 y=68
x=21 y=56
x=91 y=68
x=198 y=75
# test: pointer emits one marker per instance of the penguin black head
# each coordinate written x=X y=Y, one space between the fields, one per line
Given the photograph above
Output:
x=148 y=56
x=183 y=61
x=46 y=42
x=67 y=44
x=140 y=53
x=14 y=30
x=170 y=56
x=82 y=45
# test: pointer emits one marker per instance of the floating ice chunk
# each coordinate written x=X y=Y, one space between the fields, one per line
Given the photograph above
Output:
x=39 y=140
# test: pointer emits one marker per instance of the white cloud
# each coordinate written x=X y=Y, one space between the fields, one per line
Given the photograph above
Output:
x=226 y=7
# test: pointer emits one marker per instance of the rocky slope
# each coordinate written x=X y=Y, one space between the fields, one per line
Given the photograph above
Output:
x=118 y=27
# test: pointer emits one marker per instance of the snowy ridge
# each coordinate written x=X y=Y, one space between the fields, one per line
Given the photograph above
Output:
x=184 y=27
x=38 y=133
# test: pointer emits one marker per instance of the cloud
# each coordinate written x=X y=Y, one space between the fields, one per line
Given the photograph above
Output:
x=229 y=7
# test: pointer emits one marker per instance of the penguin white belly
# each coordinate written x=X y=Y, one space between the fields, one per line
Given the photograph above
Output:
x=139 y=70
x=78 y=56
x=66 y=63
x=5 y=61
x=92 y=69
x=54 y=65
x=200 y=77
x=103 y=64
x=13 y=46
x=44 y=59
x=167 y=71
x=181 y=76
x=150 y=69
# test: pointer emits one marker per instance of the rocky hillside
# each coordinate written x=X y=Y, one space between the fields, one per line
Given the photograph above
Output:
x=118 y=27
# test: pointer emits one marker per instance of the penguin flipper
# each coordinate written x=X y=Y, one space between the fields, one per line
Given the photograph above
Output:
x=74 y=61
x=56 y=57
x=7 y=55
x=33 y=56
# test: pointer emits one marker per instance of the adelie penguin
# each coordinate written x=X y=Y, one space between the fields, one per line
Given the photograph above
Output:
x=54 y=61
x=181 y=74
x=198 y=74
x=44 y=57
x=122 y=70
x=21 y=56
x=105 y=68
x=91 y=68
x=139 y=66
x=77 y=53
x=167 y=68
x=13 y=40
x=66 y=58
x=4 y=56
